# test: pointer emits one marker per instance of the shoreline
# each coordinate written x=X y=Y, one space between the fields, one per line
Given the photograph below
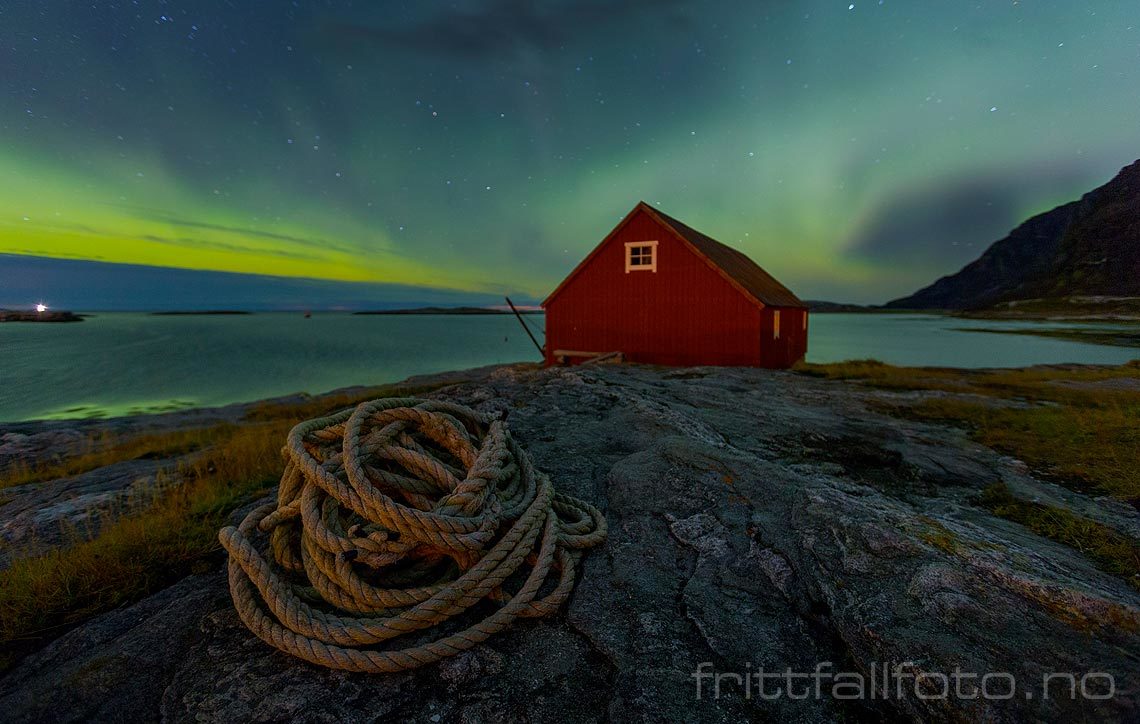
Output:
x=1128 y=335
x=163 y=409
x=166 y=417
x=235 y=411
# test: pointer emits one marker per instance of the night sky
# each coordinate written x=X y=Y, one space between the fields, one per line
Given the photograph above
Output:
x=857 y=151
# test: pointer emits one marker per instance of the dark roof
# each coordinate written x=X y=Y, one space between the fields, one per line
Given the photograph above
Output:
x=737 y=266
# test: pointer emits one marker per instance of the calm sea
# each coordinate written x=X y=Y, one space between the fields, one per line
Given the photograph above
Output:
x=115 y=364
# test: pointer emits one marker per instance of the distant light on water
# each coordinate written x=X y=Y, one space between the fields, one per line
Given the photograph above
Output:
x=41 y=307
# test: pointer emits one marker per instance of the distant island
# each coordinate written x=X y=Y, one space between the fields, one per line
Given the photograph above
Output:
x=1078 y=261
x=190 y=313
x=10 y=315
x=449 y=310
x=819 y=305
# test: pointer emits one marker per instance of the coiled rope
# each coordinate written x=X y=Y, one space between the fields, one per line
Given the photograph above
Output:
x=393 y=519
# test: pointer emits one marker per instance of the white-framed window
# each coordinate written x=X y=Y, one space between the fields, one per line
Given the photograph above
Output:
x=640 y=256
x=776 y=324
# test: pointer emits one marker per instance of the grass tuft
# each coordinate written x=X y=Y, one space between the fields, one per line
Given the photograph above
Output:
x=939 y=536
x=105 y=449
x=1113 y=551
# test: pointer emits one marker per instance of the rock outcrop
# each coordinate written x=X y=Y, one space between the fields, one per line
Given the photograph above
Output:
x=758 y=521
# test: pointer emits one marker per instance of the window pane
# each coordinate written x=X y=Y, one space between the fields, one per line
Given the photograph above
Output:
x=641 y=255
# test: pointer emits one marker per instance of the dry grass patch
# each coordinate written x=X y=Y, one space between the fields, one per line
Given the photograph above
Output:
x=105 y=449
x=1092 y=448
x=1085 y=436
x=142 y=551
x=888 y=376
x=1113 y=551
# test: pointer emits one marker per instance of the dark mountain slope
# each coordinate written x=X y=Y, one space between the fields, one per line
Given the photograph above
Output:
x=1089 y=247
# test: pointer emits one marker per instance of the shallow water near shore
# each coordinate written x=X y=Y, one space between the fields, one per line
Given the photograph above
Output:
x=118 y=363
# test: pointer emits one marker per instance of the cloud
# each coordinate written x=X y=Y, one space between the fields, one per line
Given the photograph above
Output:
x=952 y=221
x=502 y=26
x=938 y=224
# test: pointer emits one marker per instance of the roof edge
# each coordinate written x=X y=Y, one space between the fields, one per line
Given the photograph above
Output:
x=673 y=223
x=704 y=257
x=594 y=252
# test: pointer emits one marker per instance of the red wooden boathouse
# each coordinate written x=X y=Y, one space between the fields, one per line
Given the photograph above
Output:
x=661 y=292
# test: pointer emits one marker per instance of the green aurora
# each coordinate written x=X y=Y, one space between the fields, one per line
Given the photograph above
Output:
x=855 y=152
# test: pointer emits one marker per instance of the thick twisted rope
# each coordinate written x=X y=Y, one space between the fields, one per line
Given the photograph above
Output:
x=392 y=520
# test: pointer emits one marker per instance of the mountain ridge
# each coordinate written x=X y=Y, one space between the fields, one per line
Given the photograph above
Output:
x=1088 y=247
